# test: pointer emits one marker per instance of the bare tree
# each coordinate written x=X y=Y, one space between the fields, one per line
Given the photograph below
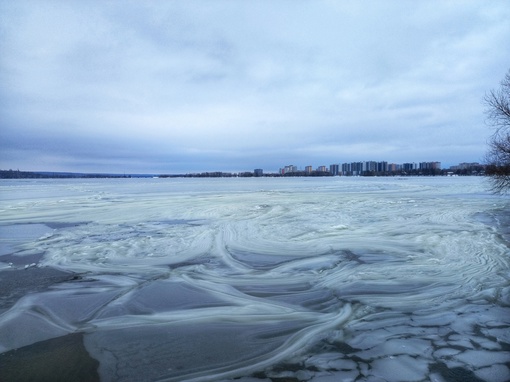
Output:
x=498 y=155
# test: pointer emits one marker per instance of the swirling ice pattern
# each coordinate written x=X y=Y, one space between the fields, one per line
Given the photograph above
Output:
x=218 y=279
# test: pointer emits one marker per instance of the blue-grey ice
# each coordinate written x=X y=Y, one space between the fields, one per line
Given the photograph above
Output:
x=373 y=279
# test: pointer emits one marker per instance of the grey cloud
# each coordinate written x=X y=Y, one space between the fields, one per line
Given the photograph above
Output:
x=190 y=84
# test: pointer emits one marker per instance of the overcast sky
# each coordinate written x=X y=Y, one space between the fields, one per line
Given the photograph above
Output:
x=191 y=86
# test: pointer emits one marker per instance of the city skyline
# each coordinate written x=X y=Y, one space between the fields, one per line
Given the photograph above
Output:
x=362 y=166
x=359 y=168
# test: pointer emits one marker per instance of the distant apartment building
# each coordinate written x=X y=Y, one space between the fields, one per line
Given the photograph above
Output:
x=334 y=169
x=382 y=166
x=430 y=166
x=357 y=168
x=393 y=167
x=365 y=168
x=288 y=169
x=258 y=172
x=409 y=166
x=465 y=165
x=465 y=168
x=369 y=166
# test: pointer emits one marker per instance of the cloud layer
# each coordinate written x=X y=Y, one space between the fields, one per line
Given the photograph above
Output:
x=202 y=86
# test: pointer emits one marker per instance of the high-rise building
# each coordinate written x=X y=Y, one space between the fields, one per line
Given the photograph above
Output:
x=369 y=166
x=289 y=169
x=430 y=165
x=346 y=169
x=382 y=167
x=357 y=168
x=409 y=166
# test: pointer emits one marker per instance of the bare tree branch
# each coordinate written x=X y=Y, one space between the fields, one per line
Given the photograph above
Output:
x=498 y=155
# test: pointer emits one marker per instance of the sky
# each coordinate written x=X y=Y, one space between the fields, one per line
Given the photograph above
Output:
x=192 y=86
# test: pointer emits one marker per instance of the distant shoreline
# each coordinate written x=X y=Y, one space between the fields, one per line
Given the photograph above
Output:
x=16 y=174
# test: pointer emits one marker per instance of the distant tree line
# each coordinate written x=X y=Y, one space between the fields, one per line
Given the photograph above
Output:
x=16 y=174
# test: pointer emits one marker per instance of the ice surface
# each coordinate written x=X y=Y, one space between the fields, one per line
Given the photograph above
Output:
x=494 y=373
x=167 y=351
x=479 y=359
x=310 y=279
x=446 y=352
x=399 y=368
x=13 y=235
x=22 y=327
x=343 y=376
x=397 y=346
x=327 y=361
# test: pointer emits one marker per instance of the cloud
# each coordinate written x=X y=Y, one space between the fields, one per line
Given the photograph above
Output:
x=176 y=87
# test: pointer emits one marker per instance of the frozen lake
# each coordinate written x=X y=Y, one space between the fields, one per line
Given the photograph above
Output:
x=309 y=279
